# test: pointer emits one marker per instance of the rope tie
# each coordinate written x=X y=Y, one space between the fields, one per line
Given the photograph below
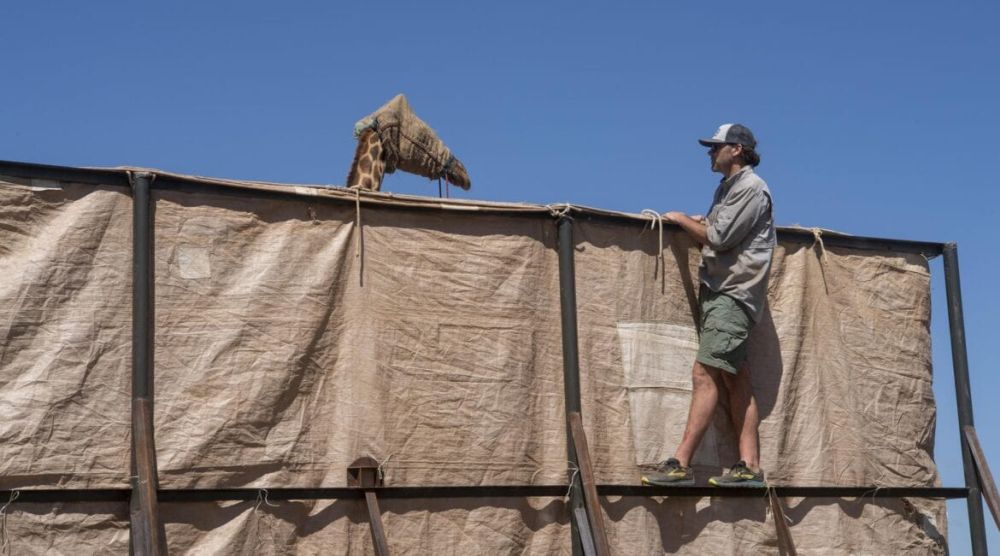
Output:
x=380 y=472
x=656 y=221
x=262 y=499
x=572 y=478
x=359 y=239
x=559 y=211
x=5 y=541
x=818 y=241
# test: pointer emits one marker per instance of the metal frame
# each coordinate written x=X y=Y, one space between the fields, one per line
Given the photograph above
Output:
x=588 y=535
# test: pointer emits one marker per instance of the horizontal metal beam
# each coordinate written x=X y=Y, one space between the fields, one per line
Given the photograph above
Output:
x=119 y=177
x=94 y=176
x=487 y=491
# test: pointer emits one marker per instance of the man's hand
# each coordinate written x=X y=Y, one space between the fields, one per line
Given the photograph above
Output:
x=673 y=216
x=695 y=226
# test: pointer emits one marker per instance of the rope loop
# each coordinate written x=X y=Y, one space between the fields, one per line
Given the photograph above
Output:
x=656 y=221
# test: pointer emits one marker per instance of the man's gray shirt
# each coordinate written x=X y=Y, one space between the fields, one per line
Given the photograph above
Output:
x=736 y=260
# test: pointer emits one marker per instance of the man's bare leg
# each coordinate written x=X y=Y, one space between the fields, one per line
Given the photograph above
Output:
x=704 y=397
x=743 y=411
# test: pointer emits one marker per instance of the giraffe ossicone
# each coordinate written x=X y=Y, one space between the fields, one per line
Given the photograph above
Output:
x=392 y=138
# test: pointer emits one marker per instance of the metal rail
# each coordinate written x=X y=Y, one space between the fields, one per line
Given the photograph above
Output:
x=167 y=496
x=96 y=176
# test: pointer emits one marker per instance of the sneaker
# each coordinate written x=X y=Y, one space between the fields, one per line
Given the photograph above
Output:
x=739 y=476
x=670 y=473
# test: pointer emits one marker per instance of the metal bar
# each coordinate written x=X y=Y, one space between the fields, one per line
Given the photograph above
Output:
x=590 y=500
x=175 y=496
x=92 y=176
x=147 y=532
x=99 y=176
x=571 y=358
x=586 y=536
x=985 y=476
x=375 y=521
x=786 y=546
x=963 y=394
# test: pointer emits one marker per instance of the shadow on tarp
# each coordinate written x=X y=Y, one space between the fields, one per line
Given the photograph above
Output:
x=207 y=516
x=680 y=521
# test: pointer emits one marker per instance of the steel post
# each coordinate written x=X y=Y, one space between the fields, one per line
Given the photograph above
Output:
x=963 y=394
x=147 y=534
x=571 y=359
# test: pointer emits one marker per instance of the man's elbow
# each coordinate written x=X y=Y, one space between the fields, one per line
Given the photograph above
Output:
x=715 y=241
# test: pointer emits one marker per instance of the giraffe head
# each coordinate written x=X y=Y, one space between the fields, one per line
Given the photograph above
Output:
x=394 y=137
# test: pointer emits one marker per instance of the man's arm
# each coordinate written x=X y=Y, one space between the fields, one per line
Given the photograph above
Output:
x=693 y=225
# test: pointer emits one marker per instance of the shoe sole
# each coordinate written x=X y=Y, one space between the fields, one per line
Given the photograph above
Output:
x=746 y=484
x=650 y=482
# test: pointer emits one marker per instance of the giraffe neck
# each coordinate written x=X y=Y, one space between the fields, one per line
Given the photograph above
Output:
x=368 y=167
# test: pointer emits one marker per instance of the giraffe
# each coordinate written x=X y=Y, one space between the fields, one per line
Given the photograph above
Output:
x=394 y=137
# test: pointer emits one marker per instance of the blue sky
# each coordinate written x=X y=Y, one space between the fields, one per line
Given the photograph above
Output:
x=873 y=118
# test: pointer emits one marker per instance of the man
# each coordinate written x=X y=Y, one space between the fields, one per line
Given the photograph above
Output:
x=737 y=239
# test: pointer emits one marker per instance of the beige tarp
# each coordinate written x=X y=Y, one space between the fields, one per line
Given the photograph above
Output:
x=288 y=343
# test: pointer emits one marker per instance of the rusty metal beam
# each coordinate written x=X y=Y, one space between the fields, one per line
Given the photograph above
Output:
x=985 y=476
x=590 y=500
x=147 y=533
x=363 y=474
x=181 y=495
x=786 y=546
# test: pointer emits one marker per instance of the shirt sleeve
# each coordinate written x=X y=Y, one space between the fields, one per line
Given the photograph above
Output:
x=735 y=218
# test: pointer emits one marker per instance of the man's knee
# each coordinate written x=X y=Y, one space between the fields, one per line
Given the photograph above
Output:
x=703 y=376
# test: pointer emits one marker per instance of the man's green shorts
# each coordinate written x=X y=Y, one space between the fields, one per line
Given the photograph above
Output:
x=725 y=326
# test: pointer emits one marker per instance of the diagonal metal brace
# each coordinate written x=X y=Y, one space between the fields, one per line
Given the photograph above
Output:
x=989 y=489
x=363 y=473
x=592 y=504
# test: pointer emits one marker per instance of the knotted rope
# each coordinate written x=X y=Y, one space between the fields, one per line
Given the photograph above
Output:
x=572 y=478
x=656 y=221
x=262 y=499
x=818 y=241
x=559 y=211
x=380 y=471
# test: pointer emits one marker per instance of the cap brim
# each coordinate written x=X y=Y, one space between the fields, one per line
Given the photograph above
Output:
x=710 y=142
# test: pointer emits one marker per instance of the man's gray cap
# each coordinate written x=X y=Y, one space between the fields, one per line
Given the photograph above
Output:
x=733 y=134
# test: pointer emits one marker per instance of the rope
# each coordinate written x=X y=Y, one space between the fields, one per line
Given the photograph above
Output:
x=656 y=220
x=572 y=478
x=380 y=472
x=262 y=499
x=559 y=211
x=5 y=541
x=359 y=238
x=818 y=240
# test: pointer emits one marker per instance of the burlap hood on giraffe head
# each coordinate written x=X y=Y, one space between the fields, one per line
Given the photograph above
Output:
x=411 y=145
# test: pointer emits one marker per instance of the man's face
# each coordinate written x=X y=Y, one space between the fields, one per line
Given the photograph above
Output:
x=722 y=156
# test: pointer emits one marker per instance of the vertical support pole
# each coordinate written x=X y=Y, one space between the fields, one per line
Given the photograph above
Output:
x=147 y=533
x=963 y=393
x=571 y=359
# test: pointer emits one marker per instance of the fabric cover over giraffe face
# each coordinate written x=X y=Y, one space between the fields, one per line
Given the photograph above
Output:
x=411 y=145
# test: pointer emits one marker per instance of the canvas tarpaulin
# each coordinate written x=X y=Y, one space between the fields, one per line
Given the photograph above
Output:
x=290 y=340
